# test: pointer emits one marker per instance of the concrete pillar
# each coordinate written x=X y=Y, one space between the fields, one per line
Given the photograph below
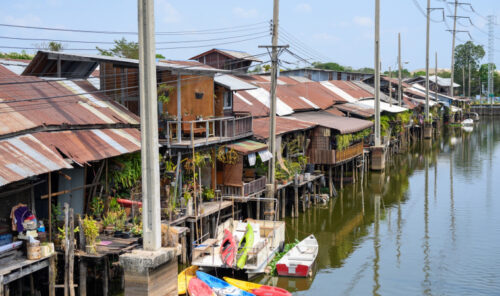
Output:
x=378 y=158
x=150 y=272
x=427 y=130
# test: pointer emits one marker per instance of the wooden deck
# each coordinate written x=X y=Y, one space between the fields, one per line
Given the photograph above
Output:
x=209 y=208
x=21 y=267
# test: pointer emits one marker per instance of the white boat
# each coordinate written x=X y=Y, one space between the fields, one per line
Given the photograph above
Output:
x=298 y=262
x=269 y=237
x=468 y=122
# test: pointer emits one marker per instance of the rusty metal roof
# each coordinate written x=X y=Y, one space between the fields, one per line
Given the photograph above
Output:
x=244 y=102
x=34 y=154
x=356 y=109
x=335 y=111
x=44 y=104
x=240 y=55
x=25 y=156
x=348 y=91
x=345 y=125
x=283 y=125
x=248 y=146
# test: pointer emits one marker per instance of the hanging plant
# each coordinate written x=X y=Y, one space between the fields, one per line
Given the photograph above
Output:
x=164 y=90
x=227 y=156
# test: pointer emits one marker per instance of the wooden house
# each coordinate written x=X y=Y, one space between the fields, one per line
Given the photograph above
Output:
x=226 y=59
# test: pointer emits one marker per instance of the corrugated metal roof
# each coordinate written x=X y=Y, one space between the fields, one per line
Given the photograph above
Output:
x=248 y=146
x=344 y=125
x=244 y=102
x=229 y=53
x=283 y=125
x=72 y=105
x=349 y=91
x=39 y=153
x=356 y=109
x=79 y=65
x=383 y=106
x=25 y=156
x=263 y=96
x=335 y=111
x=232 y=82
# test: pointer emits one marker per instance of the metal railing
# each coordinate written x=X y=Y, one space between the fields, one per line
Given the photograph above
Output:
x=205 y=131
x=246 y=189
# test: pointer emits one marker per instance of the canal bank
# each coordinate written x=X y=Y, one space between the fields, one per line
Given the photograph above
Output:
x=433 y=230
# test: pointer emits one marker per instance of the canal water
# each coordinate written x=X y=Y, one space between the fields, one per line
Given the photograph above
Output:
x=429 y=226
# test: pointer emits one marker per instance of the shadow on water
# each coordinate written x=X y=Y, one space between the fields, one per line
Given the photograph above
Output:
x=356 y=232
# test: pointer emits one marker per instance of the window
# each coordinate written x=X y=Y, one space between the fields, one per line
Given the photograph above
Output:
x=228 y=100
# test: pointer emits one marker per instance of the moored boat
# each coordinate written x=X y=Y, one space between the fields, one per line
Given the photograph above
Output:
x=220 y=287
x=197 y=287
x=299 y=260
x=228 y=248
x=184 y=278
x=257 y=289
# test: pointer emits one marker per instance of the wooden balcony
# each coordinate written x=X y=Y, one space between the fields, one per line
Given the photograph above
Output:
x=203 y=132
x=318 y=156
x=349 y=153
x=246 y=189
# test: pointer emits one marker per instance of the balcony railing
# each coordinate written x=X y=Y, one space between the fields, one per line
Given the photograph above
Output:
x=318 y=156
x=349 y=152
x=189 y=133
x=246 y=189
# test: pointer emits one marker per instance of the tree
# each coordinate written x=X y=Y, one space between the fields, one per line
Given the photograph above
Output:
x=328 y=66
x=366 y=70
x=15 y=55
x=122 y=49
x=52 y=46
x=468 y=55
x=160 y=56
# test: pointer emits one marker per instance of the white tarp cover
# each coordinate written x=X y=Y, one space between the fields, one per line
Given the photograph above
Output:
x=265 y=155
x=251 y=159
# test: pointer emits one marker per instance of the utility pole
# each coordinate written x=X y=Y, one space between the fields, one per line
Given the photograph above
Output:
x=427 y=61
x=469 y=83
x=377 y=73
x=149 y=128
x=390 y=86
x=454 y=32
x=491 y=56
x=399 y=70
x=275 y=51
x=436 y=87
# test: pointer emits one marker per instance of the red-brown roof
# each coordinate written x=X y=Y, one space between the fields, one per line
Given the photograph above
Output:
x=345 y=125
x=356 y=109
x=283 y=125
x=244 y=102
x=335 y=111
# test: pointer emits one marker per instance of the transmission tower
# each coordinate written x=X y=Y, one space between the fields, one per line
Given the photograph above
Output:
x=491 y=57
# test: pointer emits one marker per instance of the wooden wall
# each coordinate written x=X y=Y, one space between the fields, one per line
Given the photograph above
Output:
x=191 y=106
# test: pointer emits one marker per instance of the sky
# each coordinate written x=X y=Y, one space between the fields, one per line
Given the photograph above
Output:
x=328 y=30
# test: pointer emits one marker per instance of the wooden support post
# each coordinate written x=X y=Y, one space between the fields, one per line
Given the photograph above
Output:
x=341 y=176
x=66 y=249
x=1 y=286
x=82 y=285
x=258 y=209
x=191 y=239
x=296 y=200
x=315 y=197
x=50 y=205
x=303 y=199
x=330 y=181
x=52 y=276
x=283 y=203
x=184 y=249
x=71 y=252
x=105 y=276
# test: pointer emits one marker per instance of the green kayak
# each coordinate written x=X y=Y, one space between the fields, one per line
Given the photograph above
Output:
x=244 y=246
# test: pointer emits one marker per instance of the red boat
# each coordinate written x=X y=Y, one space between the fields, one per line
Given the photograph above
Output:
x=299 y=260
x=270 y=291
x=197 y=287
x=127 y=203
x=228 y=248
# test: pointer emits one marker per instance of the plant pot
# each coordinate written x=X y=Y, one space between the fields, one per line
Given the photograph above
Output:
x=90 y=249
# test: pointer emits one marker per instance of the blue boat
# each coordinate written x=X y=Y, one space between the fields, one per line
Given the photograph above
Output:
x=220 y=287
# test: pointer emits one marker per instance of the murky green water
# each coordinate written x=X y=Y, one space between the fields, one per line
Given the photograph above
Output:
x=429 y=226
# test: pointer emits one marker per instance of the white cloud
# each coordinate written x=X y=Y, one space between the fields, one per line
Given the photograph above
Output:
x=245 y=13
x=27 y=20
x=168 y=14
x=303 y=7
x=325 y=37
x=363 y=21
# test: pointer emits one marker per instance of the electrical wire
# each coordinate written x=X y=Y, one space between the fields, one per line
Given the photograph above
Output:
x=188 y=32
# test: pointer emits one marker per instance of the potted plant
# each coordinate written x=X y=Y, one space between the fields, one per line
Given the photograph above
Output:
x=91 y=232
x=108 y=222
x=61 y=236
x=208 y=193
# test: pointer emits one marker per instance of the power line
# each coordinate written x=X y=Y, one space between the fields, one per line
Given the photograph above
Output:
x=188 y=32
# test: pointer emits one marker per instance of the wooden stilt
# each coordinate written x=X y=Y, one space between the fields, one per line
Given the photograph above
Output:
x=105 y=276
x=283 y=203
x=52 y=276
x=258 y=209
x=330 y=181
x=341 y=176
x=82 y=286
x=71 y=255
x=296 y=202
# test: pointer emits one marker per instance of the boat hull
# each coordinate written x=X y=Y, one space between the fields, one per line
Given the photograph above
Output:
x=294 y=271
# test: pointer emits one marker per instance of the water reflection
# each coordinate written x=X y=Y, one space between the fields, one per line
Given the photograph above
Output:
x=360 y=255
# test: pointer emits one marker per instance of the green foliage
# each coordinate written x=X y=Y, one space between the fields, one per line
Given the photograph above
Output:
x=128 y=172
x=344 y=141
x=160 y=56
x=136 y=228
x=109 y=219
x=16 y=55
x=164 y=90
x=62 y=232
x=280 y=255
x=329 y=66
x=121 y=220
x=384 y=124
x=114 y=206
x=97 y=206
x=122 y=49
x=90 y=230
x=208 y=193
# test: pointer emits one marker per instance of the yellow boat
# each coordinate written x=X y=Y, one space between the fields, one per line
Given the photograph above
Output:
x=184 y=277
x=243 y=285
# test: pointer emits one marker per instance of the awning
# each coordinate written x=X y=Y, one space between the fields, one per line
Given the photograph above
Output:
x=345 y=125
x=233 y=83
x=383 y=106
x=248 y=146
